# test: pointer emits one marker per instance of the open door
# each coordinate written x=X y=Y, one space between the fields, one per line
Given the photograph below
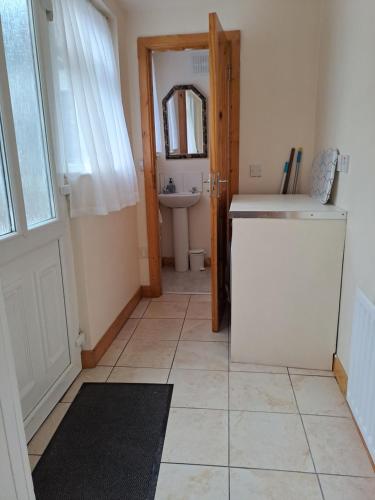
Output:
x=219 y=130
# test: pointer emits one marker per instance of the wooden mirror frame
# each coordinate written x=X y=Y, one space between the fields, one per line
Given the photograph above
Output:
x=183 y=156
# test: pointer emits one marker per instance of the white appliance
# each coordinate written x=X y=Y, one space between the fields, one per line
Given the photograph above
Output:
x=287 y=253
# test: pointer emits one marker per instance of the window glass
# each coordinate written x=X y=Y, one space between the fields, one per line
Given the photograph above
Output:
x=6 y=210
x=27 y=109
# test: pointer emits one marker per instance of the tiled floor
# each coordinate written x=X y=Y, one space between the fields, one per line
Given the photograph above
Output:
x=239 y=431
x=189 y=282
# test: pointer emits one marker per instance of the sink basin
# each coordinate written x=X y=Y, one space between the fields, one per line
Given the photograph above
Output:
x=179 y=200
x=179 y=203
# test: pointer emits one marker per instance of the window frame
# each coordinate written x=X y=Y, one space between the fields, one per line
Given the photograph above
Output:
x=38 y=23
x=10 y=151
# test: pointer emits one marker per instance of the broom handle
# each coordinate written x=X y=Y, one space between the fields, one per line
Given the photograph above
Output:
x=298 y=166
x=290 y=166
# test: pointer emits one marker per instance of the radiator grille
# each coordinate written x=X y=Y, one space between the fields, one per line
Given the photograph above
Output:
x=361 y=383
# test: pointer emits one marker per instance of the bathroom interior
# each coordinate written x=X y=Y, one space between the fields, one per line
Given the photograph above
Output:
x=181 y=100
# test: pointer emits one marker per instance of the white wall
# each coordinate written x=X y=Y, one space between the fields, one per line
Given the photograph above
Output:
x=345 y=119
x=175 y=68
x=106 y=252
x=106 y=263
x=279 y=71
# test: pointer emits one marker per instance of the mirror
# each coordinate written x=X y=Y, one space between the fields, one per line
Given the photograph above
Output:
x=185 y=123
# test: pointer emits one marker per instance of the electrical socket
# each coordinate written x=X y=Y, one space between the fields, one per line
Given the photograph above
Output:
x=256 y=170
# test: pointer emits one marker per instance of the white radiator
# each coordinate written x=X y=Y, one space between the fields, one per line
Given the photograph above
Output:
x=361 y=383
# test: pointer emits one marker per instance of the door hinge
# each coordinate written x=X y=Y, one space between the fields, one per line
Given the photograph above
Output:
x=47 y=6
x=219 y=182
x=65 y=189
x=80 y=340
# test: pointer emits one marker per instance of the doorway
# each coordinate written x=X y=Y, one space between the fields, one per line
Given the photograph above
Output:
x=180 y=94
x=224 y=66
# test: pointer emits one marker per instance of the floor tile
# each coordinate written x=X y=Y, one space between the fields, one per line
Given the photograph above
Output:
x=128 y=329
x=201 y=297
x=39 y=442
x=97 y=374
x=273 y=485
x=303 y=371
x=336 y=446
x=187 y=282
x=166 y=310
x=252 y=367
x=173 y=297
x=192 y=482
x=140 y=309
x=200 y=330
x=148 y=354
x=124 y=374
x=199 y=388
x=34 y=459
x=347 y=488
x=202 y=355
x=268 y=441
x=261 y=392
x=113 y=352
x=196 y=437
x=159 y=329
x=199 y=310
x=319 y=396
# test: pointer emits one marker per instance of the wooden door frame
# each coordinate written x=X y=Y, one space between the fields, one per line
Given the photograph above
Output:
x=177 y=42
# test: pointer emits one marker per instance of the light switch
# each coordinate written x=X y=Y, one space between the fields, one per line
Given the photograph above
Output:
x=343 y=163
x=256 y=170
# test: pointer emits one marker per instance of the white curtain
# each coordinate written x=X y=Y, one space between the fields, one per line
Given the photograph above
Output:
x=94 y=152
x=157 y=122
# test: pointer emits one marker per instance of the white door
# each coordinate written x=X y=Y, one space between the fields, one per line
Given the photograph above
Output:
x=36 y=270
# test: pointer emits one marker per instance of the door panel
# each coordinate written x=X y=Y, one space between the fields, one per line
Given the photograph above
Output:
x=23 y=346
x=50 y=301
x=219 y=164
x=34 y=304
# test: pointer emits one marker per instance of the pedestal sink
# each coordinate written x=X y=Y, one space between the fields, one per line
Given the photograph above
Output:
x=179 y=203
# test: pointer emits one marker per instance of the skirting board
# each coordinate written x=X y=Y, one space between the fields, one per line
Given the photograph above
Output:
x=341 y=376
x=91 y=358
x=148 y=292
x=342 y=380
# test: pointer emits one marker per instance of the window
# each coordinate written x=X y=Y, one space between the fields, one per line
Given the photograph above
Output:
x=27 y=111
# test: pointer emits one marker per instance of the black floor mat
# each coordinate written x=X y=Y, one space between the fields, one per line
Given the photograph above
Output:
x=108 y=445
